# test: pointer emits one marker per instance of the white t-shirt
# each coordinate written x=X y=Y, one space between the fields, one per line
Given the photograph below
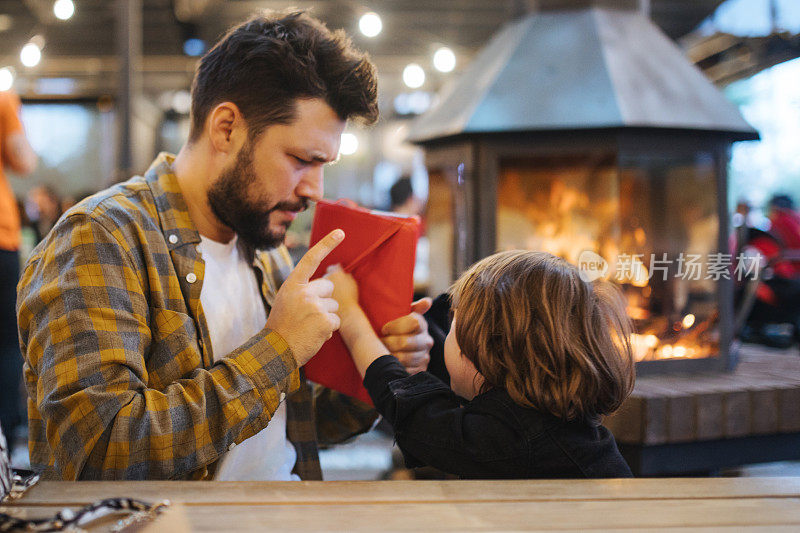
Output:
x=234 y=312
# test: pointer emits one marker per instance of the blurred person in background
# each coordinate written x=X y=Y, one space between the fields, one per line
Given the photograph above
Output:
x=740 y=221
x=403 y=201
x=68 y=201
x=29 y=238
x=777 y=295
x=16 y=155
x=785 y=227
x=43 y=209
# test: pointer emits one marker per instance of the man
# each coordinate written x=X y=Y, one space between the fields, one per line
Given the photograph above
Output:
x=16 y=154
x=150 y=351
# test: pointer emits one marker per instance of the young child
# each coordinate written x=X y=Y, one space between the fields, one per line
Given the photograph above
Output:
x=535 y=354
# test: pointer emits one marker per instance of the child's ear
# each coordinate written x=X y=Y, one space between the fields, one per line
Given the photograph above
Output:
x=478 y=381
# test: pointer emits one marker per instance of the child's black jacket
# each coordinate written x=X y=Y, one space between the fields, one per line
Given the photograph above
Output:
x=488 y=437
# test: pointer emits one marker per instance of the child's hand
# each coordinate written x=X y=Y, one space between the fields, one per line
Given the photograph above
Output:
x=345 y=289
x=407 y=337
x=355 y=329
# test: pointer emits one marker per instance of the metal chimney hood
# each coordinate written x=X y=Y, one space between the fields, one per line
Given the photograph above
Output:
x=585 y=69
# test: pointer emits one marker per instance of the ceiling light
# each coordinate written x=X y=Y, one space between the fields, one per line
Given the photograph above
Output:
x=413 y=75
x=370 y=24
x=6 y=78
x=349 y=144
x=444 y=59
x=63 y=9
x=30 y=55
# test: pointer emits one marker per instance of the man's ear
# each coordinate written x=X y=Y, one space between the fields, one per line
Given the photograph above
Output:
x=226 y=128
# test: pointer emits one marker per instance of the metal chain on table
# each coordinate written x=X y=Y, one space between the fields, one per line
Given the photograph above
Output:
x=13 y=486
x=6 y=476
x=69 y=520
x=19 y=483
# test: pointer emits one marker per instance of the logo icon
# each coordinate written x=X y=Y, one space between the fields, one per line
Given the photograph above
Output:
x=591 y=266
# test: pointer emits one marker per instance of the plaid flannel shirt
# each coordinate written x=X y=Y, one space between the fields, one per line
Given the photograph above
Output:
x=119 y=369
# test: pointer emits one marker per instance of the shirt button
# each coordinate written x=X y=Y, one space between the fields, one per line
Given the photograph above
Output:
x=283 y=396
x=190 y=277
x=231 y=446
x=173 y=239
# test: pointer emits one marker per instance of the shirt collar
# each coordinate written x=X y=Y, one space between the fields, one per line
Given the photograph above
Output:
x=171 y=206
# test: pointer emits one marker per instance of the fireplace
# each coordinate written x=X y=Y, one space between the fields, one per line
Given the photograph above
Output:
x=587 y=134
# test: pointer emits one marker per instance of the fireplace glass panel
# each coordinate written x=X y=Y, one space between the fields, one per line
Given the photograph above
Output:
x=439 y=227
x=653 y=219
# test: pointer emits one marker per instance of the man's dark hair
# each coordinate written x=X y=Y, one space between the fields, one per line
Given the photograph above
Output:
x=400 y=192
x=265 y=64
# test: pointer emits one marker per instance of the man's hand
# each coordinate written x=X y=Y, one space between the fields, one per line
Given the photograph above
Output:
x=407 y=337
x=304 y=313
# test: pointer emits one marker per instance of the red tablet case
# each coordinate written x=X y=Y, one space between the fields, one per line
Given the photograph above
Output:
x=379 y=250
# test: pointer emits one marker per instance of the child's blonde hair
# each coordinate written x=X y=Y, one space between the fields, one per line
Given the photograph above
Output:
x=534 y=328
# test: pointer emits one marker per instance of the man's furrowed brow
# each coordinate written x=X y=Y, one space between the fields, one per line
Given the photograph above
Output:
x=320 y=157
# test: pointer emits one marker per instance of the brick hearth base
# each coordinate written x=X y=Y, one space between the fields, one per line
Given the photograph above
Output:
x=692 y=423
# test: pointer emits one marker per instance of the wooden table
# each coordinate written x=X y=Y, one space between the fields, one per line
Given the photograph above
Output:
x=707 y=504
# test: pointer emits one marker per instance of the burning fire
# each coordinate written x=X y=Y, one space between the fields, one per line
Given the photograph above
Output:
x=674 y=319
x=649 y=347
x=663 y=337
x=660 y=338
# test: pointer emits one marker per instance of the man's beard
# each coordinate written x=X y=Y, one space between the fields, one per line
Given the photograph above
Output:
x=248 y=218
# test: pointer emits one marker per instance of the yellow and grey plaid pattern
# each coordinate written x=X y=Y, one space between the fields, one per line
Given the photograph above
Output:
x=118 y=364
